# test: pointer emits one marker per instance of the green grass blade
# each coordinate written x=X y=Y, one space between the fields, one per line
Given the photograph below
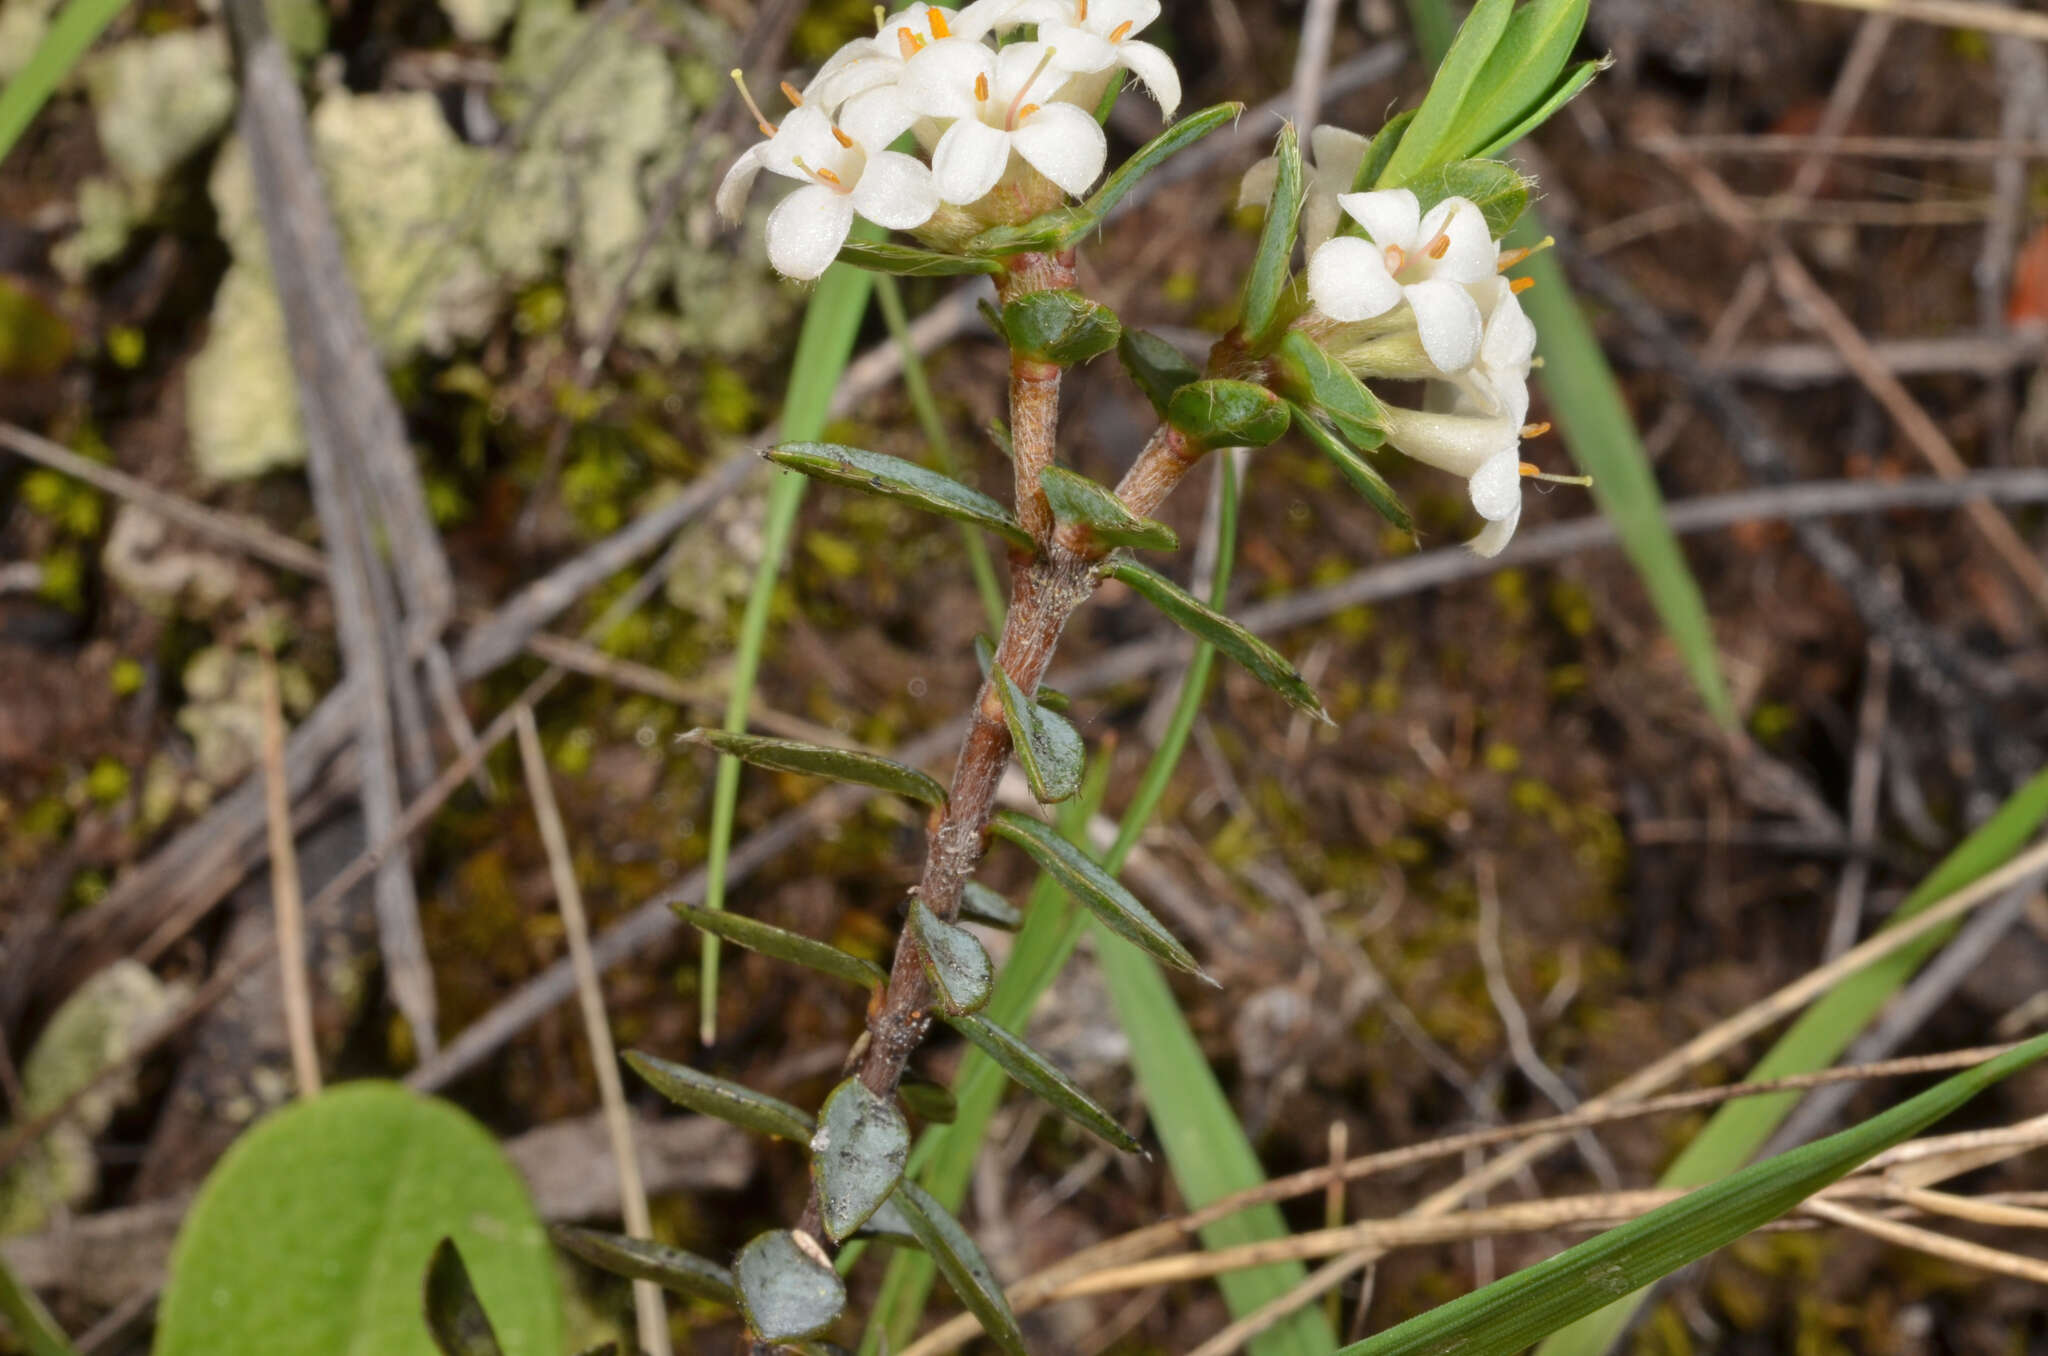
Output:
x=1820 y=1035
x=1511 y=1313
x=822 y=351
x=918 y=386
x=28 y=1318
x=64 y=42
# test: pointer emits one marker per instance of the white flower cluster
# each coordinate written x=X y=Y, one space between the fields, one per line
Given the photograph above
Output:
x=1008 y=129
x=1420 y=295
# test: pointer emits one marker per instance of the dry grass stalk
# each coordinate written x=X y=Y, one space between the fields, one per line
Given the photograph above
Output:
x=285 y=896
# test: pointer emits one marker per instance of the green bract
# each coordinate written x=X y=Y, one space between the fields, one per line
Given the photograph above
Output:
x=1496 y=189
x=1219 y=412
x=1273 y=264
x=1317 y=381
x=1076 y=499
x=954 y=961
x=787 y=1291
x=1156 y=365
x=1357 y=470
x=1059 y=327
x=857 y=1155
x=904 y=261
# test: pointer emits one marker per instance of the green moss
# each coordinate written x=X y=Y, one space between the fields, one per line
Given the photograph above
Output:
x=1771 y=722
x=63 y=581
x=1572 y=606
x=126 y=677
x=108 y=782
x=1510 y=589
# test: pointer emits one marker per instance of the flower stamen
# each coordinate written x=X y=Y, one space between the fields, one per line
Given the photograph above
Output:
x=908 y=43
x=843 y=139
x=937 y=19
x=1439 y=247
x=1535 y=430
x=981 y=89
x=1018 y=109
x=881 y=18
x=1521 y=285
x=740 y=81
x=1122 y=30
x=1081 y=12
x=789 y=92
x=1396 y=257
x=1509 y=258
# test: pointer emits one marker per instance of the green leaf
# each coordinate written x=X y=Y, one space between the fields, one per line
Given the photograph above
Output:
x=1513 y=1312
x=311 y=1236
x=769 y=940
x=817 y=760
x=905 y=262
x=455 y=1316
x=1155 y=365
x=965 y=1269
x=1101 y=893
x=1312 y=377
x=786 y=1290
x=928 y=1101
x=857 y=1156
x=32 y=1324
x=1257 y=658
x=1498 y=190
x=1423 y=145
x=904 y=481
x=643 y=1259
x=1567 y=89
x=1219 y=412
x=1077 y=499
x=979 y=904
x=64 y=42
x=1047 y=231
x=959 y=969
x=1171 y=141
x=892 y=1223
x=1363 y=476
x=1059 y=327
x=1273 y=265
x=1524 y=68
x=1048 y=748
x=729 y=1102
x=1036 y=1076
x=1377 y=154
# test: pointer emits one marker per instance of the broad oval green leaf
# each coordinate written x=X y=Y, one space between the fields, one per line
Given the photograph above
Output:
x=906 y=262
x=1499 y=191
x=965 y=1269
x=1035 y=1075
x=1274 y=262
x=1258 y=658
x=730 y=1102
x=643 y=1259
x=904 y=481
x=980 y=904
x=1314 y=378
x=819 y=760
x=958 y=967
x=1155 y=365
x=782 y=944
x=1077 y=499
x=1049 y=749
x=1101 y=893
x=1220 y=412
x=455 y=1316
x=311 y=1236
x=1364 y=477
x=787 y=1291
x=857 y=1155
x=1058 y=326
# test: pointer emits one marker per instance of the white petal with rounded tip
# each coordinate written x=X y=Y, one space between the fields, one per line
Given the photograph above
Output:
x=1472 y=255
x=1040 y=12
x=1390 y=216
x=738 y=182
x=1496 y=487
x=875 y=119
x=1257 y=184
x=1076 y=49
x=806 y=134
x=1156 y=69
x=1108 y=15
x=1338 y=154
x=835 y=85
x=968 y=160
x=1458 y=443
x=896 y=191
x=1494 y=537
x=1348 y=280
x=1447 y=319
x=939 y=81
x=976 y=20
x=1319 y=220
x=1015 y=66
x=1065 y=145
x=806 y=230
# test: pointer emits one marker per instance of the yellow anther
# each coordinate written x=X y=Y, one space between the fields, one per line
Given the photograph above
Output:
x=740 y=82
x=981 y=89
x=1536 y=430
x=1439 y=247
x=908 y=43
x=1509 y=258
x=1118 y=33
x=1019 y=110
x=829 y=177
x=789 y=92
x=1026 y=111
x=1081 y=12
x=1521 y=285
x=937 y=19
x=1529 y=469
x=1396 y=256
x=843 y=139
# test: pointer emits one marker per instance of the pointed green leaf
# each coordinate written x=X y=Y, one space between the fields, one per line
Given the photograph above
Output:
x=769 y=940
x=1311 y=376
x=1456 y=77
x=1077 y=499
x=787 y=1290
x=1102 y=893
x=1035 y=1075
x=965 y=1269
x=1523 y=69
x=1258 y=658
x=903 y=261
x=1498 y=190
x=958 y=968
x=643 y=1259
x=1046 y=231
x=1048 y=748
x=1155 y=365
x=1051 y=698
x=1170 y=142
x=1566 y=89
x=455 y=1316
x=979 y=904
x=904 y=481
x=1377 y=154
x=730 y=1102
x=1059 y=327
x=928 y=1101
x=1219 y=412
x=1273 y=265
x=1515 y=1311
x=1363 y=476
x=857 y=1156
x=819 y=760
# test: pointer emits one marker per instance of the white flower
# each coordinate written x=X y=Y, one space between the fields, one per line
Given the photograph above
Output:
x=1092 y=36
x=1327 y=173
x=1497 y=382
x=1485 y=450
x=987 y=94
x=841 y=176
x=1407 y=256
x=858 y=84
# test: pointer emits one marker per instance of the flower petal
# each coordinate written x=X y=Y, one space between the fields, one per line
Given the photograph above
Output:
x=1471 y=255
x=738 y=182
x=1076 y=49
x=939 y=81
x=1338 y=153
x=1109 y=15
x=1458 y=443
x=1447 y=319
x=1348 y=280
x=1155 y=68
x=1494 y=537
x=896 y=191
x=1064 y=144
x=806 y=230
x=876 y=118
x=1496 y=487
x=1391 y=216
x=835 y=84
x=976 y=20
x=805 y=134
x=1015 y=67
x=968 y=160
x=1319 y=219
x=1257 y=184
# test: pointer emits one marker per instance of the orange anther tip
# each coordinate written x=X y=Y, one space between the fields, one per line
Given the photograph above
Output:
x=1026 y=111
x=1530 y=468
x=789 y=92
x=1536 y=430
x=1439 y=247
x=1118 y=33
x=906 y=43
x=937 y=19
x=1521 y=285
x=1396 y=256
x=828 y=176
x=844 y=139
x=981 y=88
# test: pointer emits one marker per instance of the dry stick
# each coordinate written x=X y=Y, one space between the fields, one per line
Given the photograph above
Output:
x=1797 y=363
x=1954 y=14
x=647 y=1300
x=1945 y=149
x=1994 y=1260
x=284 y=891
x=1312 y=62
x=1863 y=789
